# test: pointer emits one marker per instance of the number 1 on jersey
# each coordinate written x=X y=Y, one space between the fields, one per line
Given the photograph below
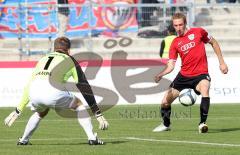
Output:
x=48 y=63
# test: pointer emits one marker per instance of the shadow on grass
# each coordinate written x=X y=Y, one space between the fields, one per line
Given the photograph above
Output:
x=223 y=130
x=82 y=143
x=219 y=130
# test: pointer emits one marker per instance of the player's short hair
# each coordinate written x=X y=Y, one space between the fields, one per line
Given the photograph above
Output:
x=179 y=15
x=62 y=44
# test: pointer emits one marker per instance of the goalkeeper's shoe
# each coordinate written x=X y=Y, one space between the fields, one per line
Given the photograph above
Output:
x=161 y=128
x=202 y=128
x=23 y=143
x=96 y=141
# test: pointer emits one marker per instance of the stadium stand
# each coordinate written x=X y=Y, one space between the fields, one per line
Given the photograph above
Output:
x=221 y=20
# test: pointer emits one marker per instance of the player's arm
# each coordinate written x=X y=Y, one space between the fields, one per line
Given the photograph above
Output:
x=168 y=69
x=222 y=65
x=170 y=64
x=10 y=119
x=86 y=90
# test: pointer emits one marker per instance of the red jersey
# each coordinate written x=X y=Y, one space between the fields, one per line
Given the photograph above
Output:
x=192 y=51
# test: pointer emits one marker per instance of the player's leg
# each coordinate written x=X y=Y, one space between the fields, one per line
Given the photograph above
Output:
x=168 y=98
x=38 y=106
x=171 y=94
x=84 y=120
x=203 y=87
x=31 y=126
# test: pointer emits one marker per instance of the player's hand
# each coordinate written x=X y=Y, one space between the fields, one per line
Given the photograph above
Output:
x=157 y=78
x=103 y=124
x=10 y=119
x=224 y=68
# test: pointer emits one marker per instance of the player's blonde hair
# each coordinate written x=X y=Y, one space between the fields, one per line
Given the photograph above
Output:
x=180 y=15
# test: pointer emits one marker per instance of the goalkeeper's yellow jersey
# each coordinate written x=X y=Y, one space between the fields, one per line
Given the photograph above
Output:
x=55 y=67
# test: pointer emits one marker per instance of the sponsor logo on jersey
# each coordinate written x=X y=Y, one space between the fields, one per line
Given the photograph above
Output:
x=44 y=73
x=191 y=36
x=187 y=46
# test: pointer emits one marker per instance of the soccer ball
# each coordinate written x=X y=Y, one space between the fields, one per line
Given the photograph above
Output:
x=187 y=97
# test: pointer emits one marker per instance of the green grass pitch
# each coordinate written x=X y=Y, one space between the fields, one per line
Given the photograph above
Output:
x=130 y=132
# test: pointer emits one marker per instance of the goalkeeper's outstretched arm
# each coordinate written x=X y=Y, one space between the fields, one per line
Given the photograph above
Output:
x=10 y=119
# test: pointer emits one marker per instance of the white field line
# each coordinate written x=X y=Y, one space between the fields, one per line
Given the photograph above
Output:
x=183 y=142
x=133 y=138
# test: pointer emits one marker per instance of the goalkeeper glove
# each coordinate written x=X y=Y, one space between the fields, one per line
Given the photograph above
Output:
x=10 y=119
x=103 y=124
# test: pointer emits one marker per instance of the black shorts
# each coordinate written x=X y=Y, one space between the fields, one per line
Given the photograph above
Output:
x=181 y=82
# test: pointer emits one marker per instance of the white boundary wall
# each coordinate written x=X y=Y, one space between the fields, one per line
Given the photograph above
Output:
x=224 y=88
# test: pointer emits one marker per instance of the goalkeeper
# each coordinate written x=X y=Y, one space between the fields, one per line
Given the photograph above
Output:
x=48 y=89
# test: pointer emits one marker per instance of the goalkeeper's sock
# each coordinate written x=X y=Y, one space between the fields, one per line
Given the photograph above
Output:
x=166 y=113
x=204 y=107
x=85 y=121
x=31 y=126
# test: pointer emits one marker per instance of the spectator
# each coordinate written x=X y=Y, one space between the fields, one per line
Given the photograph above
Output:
x=166 y=42
x=63 y=19
x=147 y=12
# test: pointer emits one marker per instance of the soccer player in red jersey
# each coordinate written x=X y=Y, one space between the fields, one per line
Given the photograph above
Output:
x=189 y=45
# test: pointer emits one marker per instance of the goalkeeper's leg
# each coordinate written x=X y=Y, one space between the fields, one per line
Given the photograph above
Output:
x=31 y=126
x=84 y=120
